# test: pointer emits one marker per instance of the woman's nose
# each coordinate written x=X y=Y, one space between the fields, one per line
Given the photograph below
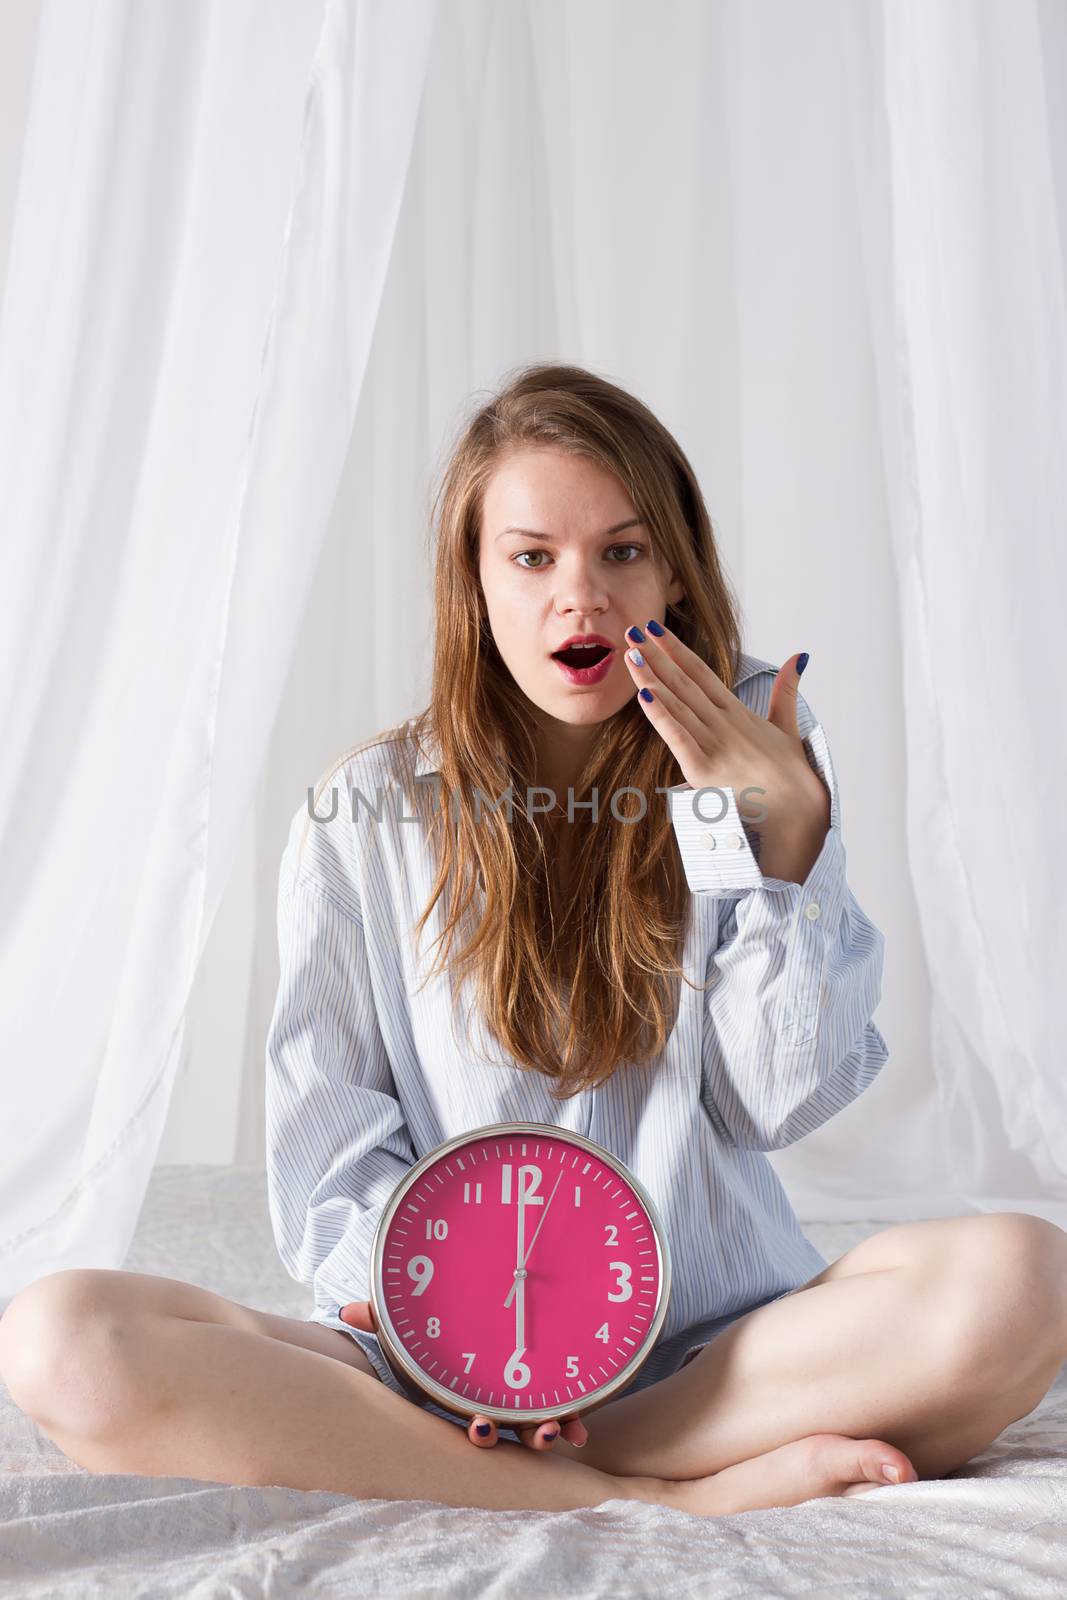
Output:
x=579 y=587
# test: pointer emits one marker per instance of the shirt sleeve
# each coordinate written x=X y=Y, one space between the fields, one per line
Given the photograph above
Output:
x=337 y=1141
x=793 y=982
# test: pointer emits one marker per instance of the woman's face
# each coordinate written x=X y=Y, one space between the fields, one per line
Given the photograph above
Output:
x=573 y=568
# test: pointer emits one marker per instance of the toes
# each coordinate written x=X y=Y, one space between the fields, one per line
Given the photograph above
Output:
x=884 y=1464
x=855 y=1466
x=482 y=1439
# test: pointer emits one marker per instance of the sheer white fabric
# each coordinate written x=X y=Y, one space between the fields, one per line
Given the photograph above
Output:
x=204 y=221
x=824 y=242
x=965 y=268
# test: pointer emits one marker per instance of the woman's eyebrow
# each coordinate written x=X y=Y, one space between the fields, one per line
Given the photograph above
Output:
x=531 y=533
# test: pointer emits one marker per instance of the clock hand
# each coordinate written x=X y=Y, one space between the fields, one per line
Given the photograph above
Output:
x=520 y=1271
x=533 y=1241
x=518 y=1249
x=540 y=1221
x=520 y=1299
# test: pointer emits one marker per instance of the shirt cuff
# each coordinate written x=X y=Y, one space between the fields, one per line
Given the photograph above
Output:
x=721 y=857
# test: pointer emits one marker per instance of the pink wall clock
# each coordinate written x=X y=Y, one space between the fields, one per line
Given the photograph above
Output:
x=519 y=1271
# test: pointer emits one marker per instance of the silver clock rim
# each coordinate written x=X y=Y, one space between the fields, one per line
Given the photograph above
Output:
x=408 y=1371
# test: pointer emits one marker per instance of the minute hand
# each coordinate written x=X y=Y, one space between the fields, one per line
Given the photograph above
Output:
x=540 y=1222
x=533 y=1241
x=519 y=1282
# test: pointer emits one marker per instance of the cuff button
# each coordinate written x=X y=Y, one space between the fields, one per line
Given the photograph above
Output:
x=708 y=840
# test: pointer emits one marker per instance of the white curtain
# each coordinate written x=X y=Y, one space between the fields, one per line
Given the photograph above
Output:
x=965 y=233
x=204 y=220
x=824 y=241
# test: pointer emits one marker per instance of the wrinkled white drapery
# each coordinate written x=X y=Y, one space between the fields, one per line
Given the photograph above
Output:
x=965 y=234
x=205 y=215
x=823 y=241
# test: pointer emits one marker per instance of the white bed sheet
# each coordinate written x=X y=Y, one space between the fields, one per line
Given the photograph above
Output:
x=998 y=1527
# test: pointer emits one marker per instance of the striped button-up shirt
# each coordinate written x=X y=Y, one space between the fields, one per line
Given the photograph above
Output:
x=365 y=1075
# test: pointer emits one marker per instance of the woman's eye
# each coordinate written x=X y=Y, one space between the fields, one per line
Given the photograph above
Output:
x=519 y=557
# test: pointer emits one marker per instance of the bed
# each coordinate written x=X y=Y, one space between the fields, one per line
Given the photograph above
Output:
x=998 y=1526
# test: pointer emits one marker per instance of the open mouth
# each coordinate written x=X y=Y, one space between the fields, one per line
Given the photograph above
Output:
x=581 y=655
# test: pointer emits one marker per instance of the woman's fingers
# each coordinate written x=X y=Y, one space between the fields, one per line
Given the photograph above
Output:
x=359 y=1314
x=540 y=1438
x=667 y=645
x=543 y=1437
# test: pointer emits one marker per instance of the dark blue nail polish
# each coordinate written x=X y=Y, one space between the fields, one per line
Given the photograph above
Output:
x=482 y=1428
x=550 y=1436
x=802 y=663
x=635 y=634
x=654 y=627
x=646 y=694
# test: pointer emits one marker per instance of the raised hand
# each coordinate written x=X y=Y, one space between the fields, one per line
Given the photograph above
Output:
x=719 y=743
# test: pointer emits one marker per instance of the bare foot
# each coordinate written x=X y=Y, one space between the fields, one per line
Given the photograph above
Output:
x=822 y=1464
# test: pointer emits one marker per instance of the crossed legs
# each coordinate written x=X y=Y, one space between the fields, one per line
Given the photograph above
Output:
x=933 y=1336
x=132 y=1373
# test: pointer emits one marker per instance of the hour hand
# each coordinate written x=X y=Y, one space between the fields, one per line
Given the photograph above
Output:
x=520 y=1272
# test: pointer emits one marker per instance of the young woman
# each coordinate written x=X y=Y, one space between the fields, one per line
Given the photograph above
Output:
x=687 y=989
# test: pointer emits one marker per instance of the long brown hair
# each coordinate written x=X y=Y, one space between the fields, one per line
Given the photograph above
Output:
x=617 y=947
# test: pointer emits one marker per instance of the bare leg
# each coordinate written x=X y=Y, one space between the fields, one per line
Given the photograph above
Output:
x=133 y=1373
x=933 y=1335
x=140 y=1390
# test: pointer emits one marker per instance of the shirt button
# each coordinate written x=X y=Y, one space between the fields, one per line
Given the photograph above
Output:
x=708 y=840
x=812 y=911
x=732 y=841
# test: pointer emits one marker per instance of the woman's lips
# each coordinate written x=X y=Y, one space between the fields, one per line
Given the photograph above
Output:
x=585 y=675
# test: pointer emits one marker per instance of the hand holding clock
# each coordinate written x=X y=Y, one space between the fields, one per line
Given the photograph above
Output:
x=446 y=1243
x=359 y=1314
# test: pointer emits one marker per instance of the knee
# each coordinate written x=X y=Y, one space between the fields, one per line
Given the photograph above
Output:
x=61 y=1347
x=1005 y=1294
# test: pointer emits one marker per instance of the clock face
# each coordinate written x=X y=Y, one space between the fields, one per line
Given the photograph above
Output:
x=519 y=1272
